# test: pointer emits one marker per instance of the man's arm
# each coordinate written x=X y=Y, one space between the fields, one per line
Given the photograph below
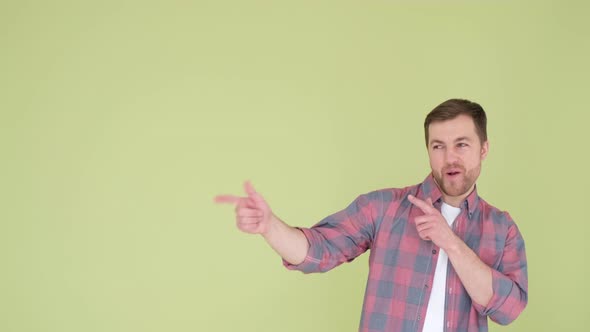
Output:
x=509 y=282
x=336 y=239
x=500 y=294
x=475 y=275
x=253 y=215
x=289 y=242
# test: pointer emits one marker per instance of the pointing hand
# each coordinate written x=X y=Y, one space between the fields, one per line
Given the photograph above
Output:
x=432 y=226
x=253 y=215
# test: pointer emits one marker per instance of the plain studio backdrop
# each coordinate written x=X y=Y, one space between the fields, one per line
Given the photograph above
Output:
x=120 y=121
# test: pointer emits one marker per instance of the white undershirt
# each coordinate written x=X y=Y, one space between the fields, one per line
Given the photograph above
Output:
x=435 y=313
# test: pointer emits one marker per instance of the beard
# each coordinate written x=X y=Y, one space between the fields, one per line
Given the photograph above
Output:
x=457 y=185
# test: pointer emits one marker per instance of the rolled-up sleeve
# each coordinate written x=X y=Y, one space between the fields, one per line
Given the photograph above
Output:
x=340 y=237
x=509 y=282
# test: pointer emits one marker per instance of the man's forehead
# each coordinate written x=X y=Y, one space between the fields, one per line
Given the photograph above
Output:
x=449 y=130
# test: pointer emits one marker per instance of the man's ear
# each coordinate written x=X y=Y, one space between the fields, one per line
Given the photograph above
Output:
x=485 y=147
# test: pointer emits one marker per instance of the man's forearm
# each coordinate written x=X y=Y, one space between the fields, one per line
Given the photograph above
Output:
x=289 y=242
x=475 y=275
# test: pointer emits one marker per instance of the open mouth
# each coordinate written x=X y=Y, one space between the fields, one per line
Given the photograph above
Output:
x=453 y=173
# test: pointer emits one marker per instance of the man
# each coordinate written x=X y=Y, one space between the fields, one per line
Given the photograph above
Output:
x=414 y=233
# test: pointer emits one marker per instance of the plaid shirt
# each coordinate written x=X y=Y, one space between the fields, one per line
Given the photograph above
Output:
x=401 y=264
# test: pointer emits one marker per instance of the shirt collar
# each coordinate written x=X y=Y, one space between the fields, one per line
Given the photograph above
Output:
x=430 y=189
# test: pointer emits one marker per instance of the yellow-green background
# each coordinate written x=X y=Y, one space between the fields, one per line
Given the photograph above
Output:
x=119 y=122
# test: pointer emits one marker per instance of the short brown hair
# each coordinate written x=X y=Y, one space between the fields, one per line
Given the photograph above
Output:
x=452 y=108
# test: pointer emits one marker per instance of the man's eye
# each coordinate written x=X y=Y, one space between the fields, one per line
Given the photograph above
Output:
x=462 y=145
x=436 y=147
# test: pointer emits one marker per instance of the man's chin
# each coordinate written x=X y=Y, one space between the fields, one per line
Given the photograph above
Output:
x=454 y=191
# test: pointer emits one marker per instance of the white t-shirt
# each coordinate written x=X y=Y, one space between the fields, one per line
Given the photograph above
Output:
x=435 y=313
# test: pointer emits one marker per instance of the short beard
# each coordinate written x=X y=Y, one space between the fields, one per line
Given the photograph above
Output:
x=461 y=188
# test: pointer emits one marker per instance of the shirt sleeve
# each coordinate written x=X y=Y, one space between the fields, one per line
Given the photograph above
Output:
x=509 y=282
x=340 y=237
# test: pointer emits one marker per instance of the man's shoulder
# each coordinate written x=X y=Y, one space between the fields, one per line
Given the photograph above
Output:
x=391 y=194
x=494 y=214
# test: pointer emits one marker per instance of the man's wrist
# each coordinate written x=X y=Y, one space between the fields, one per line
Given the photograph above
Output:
x=273 y=225
x=454 y=246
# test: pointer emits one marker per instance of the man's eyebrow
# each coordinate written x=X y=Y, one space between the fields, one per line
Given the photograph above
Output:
x=436 y=141
x=458 y=139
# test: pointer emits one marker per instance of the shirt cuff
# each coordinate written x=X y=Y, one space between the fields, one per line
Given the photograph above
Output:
x=310 y=263
x=497 y=277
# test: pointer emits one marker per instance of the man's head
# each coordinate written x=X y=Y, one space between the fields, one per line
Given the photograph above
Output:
x=456 y=139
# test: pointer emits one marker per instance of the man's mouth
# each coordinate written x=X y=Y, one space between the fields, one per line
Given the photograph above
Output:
x=453 y=172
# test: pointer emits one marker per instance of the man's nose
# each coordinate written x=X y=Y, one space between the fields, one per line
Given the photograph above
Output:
x=451 y=156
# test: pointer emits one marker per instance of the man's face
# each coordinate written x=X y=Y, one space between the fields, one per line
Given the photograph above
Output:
x=455 y=153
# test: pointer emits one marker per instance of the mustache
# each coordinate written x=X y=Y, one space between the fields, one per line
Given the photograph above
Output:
x=453 y=166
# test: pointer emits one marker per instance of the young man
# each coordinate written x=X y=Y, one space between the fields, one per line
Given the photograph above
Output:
x=414 y=233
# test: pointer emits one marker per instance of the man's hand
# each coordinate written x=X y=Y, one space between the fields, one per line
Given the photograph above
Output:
x=474 y=274
x=432 y=226
x=253 y=215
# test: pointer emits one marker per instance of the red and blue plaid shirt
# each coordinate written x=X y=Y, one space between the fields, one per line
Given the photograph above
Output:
x=401 y=264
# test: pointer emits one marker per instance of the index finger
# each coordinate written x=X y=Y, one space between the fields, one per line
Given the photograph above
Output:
x=227 y=199
x=422 y=205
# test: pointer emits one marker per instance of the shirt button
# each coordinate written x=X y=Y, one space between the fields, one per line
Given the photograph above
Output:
x=425 y=285
x=448 y=324
x=418 y=317
x=434 y=251
x=450 y=290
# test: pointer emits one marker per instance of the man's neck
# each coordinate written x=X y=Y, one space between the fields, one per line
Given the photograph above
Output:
x=456 y=200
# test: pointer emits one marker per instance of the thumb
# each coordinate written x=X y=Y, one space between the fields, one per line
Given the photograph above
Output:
x=252 y=194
